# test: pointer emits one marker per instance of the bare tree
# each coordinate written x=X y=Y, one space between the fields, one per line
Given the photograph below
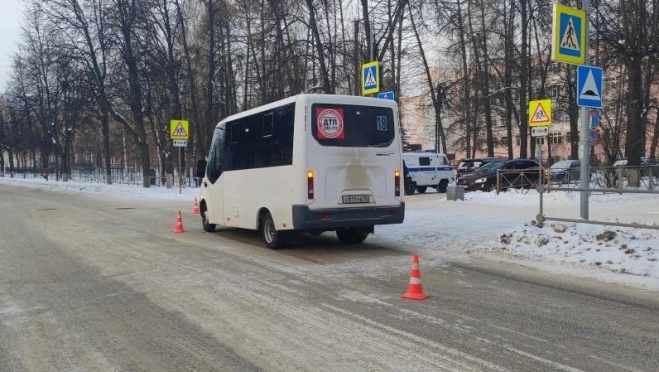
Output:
x=629 y=30
x=87 y=39
x=125 y=24
x=436 y=89
x=39 y=89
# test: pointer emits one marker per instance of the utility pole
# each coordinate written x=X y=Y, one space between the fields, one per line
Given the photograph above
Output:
x=357 y=60
x=585 y=128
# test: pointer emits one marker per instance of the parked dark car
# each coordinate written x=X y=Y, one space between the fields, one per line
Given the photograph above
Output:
x=565 y=171
x=515 y=173
x=471 y=165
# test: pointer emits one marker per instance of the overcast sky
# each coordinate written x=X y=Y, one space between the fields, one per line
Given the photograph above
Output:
x=9 y=34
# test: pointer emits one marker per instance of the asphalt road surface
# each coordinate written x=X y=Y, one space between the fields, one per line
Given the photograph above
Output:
x=92 y=283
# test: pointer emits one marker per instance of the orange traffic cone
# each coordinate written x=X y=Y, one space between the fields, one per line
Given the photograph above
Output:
x=415 y=290
x=179 y=224
x=195 y=207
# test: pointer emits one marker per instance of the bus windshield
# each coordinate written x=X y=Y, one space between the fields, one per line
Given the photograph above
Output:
x=352 y=125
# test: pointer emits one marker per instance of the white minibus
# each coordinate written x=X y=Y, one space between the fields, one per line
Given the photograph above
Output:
x=308 y=163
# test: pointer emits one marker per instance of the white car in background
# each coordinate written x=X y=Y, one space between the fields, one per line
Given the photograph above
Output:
x=565 y=171
x=644 y=161
x=428 y=169
x=648 y=166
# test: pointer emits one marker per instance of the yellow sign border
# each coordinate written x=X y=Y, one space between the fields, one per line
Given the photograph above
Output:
x=556 y=35
x=366 y=66
x=172 y=127
x=546 y=105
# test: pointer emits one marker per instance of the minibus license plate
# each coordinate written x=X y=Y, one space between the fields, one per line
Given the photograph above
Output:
x=355 y=199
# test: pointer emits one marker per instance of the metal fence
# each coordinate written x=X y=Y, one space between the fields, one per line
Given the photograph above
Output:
x=624 y=179
x=520 y=180
x=603 y=180
x=118 y=176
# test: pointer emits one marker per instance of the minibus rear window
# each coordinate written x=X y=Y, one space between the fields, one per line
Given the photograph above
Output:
x=352 y=125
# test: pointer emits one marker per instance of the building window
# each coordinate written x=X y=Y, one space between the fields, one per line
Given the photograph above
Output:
x=569 y=138
x=560 y=115
x=518 y=141
x=555 y=138
x=553 y=92
x=539 y=140
x=611 y=84
x=554 y=68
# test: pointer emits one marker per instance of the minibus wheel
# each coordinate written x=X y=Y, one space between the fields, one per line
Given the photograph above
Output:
x=273 y=239
x=352 y=235
x=208 y=227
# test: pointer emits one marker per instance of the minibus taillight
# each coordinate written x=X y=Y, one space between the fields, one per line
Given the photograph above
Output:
x=310 y=194
x=397 y=182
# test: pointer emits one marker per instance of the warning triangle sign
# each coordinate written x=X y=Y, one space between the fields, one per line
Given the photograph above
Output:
x=569 y=39
x=540 y=116
x=370 y=78
x=179 y=131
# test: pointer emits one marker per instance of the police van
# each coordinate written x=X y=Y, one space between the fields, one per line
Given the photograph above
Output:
x=427 y=169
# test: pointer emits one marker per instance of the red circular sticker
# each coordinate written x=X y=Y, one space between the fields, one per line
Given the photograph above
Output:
x=330 y=123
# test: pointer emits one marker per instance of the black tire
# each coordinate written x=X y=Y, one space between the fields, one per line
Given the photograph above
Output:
x=443 y=185
x=208 y=227
x=352 y=235
x=491 y=187
x=272 y=238
x=360 y=236
x=421 y=189
x=410 y=188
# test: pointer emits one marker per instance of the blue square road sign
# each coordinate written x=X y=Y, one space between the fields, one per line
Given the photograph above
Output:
x=589 y=86
x=386 y=95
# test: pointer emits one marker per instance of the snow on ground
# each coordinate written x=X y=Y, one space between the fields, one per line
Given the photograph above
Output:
x=499 y=227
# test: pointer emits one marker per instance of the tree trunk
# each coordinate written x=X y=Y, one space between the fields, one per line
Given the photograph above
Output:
x=196 y=120
x=634 y=146
x=523 y=77
x=466 y=94
x=435 y=91
x=327 y=87
x=655 y=136
x=507 y=80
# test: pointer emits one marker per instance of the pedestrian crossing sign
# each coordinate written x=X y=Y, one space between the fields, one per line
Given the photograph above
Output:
x=540 y=113
x=370 y=78
x=569 y=35
x=178 y=129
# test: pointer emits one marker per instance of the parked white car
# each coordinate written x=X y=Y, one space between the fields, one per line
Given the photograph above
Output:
x=428 y=169
x=648 y=166
x=644 y=161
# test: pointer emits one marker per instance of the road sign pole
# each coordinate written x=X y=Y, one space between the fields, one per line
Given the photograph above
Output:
x=540 y=175
x=180 y=176
x=585 y=128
